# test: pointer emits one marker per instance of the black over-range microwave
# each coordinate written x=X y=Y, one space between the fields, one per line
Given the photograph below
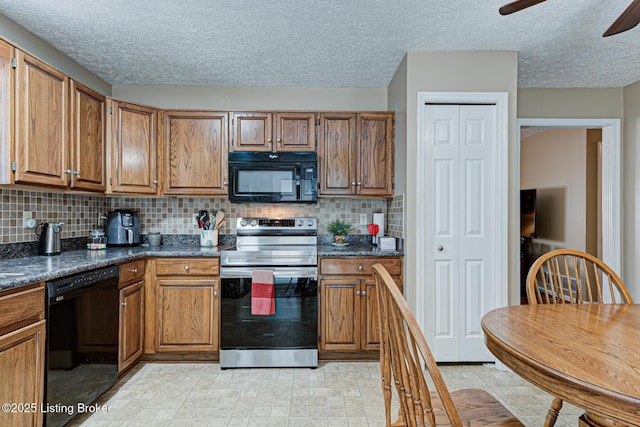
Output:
x=273 y=177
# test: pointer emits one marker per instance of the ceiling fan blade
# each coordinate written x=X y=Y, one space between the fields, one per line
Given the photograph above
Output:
x=626 y=21
x=517 y=5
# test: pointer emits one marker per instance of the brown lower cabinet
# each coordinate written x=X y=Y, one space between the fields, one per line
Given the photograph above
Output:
x=348 y=307
x=187 y=306
x=22 y=341
x=131 y=298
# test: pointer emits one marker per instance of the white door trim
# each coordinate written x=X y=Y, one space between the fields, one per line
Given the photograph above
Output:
x=500 y=99
x=611 y=181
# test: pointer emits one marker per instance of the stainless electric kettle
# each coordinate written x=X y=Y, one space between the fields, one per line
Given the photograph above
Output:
x=49 y=238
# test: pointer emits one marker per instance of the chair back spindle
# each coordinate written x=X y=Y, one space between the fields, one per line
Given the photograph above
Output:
x=405 y=358
x=566 y=276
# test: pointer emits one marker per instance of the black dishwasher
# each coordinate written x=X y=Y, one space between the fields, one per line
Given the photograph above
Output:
x=81 y=342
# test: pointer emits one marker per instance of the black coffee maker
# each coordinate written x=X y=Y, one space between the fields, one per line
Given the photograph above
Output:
x=49 y=238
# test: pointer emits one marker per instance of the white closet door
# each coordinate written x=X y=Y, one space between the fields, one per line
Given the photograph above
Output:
x=460 y=230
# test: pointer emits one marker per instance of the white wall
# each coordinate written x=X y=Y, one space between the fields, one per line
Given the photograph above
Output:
x=603 y=103
x=544 y=164
x=594 y=103
x=255 y=98
x=631 y=187
x=478 y=71
x=397 y=102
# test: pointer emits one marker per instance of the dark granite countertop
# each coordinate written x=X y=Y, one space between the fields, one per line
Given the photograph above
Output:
x=354 y=250
x=43 y=268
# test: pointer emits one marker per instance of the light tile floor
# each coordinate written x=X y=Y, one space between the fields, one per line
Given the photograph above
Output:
x=335 y=394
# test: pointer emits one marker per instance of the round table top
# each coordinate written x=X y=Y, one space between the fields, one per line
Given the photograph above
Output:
x=586 y=354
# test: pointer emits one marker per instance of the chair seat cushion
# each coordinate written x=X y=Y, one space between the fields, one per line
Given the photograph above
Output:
x=476 y=407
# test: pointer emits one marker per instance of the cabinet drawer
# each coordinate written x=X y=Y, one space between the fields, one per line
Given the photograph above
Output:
x=187 y=267
x=131 y=271
x=22 y=305
x=359 y=266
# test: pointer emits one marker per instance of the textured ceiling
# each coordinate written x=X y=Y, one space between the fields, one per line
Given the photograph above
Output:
x=326 y=43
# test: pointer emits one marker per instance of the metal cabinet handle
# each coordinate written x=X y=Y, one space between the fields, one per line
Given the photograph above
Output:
x=358 y=293
x=77 y=173
x=360 y=268
x=359 y=183
x=186 y=268
x=364 y=293
x=278 y=140
x=225 y=182
x=440 y=248
x=268 y=139
x=353 y=183
x=133 y=270
x=68 y=171
x=155 y=181
x=215 y=293
x=124 y=303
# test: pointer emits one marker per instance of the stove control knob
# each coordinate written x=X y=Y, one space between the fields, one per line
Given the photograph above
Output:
x=300 y=224
x=309 y=223
x=254 y=223
x=243 y=223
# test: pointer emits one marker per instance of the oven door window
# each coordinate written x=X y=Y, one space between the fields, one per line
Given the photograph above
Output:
x=293 y=326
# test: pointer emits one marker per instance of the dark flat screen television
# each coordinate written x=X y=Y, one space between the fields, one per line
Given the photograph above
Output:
x=528 y=213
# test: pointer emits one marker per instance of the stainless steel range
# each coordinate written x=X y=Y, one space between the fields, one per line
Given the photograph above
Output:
x=289 y=337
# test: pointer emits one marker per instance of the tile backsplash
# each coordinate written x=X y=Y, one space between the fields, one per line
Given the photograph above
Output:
x=78 y=212
x=175 y=215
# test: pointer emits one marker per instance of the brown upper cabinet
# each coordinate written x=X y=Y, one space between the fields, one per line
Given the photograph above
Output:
x=356 y=154
x=45 y=147
x=195 y=153
x=283 y=131
x=41 y=133
x=7 y=84
x=134 y=148
x=88 y=138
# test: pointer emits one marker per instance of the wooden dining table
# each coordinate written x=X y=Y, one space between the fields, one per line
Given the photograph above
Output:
x=585 y=354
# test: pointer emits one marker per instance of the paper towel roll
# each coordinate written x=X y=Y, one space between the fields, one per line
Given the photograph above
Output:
x=378 y=218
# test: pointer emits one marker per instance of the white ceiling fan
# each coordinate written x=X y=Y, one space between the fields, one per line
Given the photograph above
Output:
x=626 y=21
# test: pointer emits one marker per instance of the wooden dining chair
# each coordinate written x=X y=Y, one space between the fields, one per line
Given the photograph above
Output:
x=404 y=354
x=567 y=276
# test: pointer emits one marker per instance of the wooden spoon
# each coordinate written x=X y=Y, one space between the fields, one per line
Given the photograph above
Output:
x=219 y=218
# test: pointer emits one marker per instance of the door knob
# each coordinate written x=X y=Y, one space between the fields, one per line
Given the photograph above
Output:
x=124 y=303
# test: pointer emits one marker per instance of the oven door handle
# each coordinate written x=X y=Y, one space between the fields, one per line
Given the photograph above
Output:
x=246 y=272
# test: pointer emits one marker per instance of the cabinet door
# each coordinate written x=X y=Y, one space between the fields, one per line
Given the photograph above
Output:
x=195 y=153
x=339 y=315
x=375 y=166
x=134 y=148
x=251 y=132
x=370 y=322
x=295 y=132
x=131 y=324
x=186 y=315
x=42 y=137
x=6 y=111
x=337 y=154
x=22 y=373
x=88 y=138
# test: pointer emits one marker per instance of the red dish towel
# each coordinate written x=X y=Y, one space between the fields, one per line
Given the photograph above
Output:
x=263 y=301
